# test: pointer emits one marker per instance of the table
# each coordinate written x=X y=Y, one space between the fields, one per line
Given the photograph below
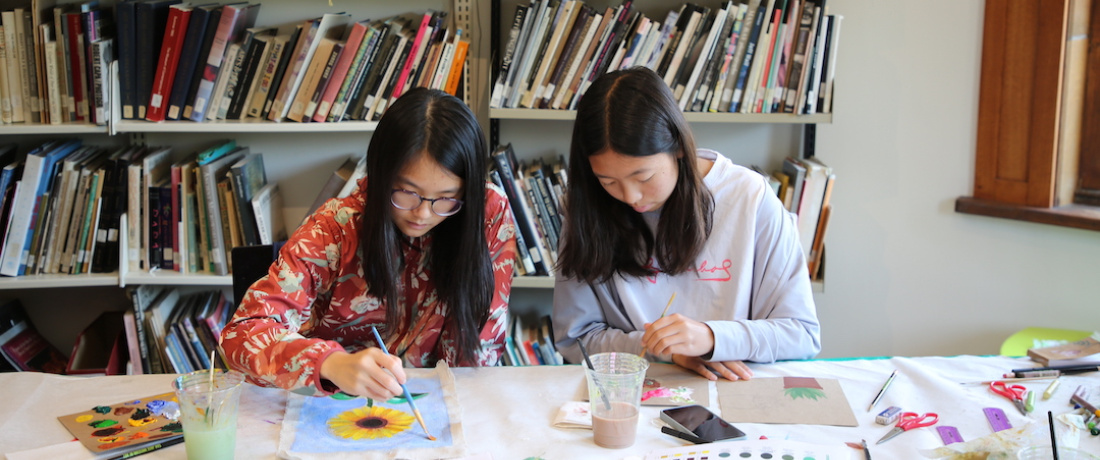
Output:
x=508 y=411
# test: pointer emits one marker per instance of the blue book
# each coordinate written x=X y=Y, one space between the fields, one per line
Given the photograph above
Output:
x=189 y=58
x=32 y=186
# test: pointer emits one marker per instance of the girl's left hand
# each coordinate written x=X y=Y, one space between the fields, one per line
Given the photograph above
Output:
x=678 y=334
x=730 y=370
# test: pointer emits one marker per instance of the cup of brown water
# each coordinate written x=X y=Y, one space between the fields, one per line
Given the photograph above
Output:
x=615 y=394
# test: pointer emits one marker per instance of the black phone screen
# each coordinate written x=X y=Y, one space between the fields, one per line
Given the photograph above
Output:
x=704 y=423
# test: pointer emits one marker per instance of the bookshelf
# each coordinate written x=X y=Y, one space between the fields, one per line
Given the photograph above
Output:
x=301 y=156
x=762 y=139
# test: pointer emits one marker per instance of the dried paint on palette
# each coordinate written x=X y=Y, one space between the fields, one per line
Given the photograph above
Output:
x=125 y=425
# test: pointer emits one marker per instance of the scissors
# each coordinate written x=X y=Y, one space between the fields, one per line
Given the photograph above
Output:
x=908 y=421
x=1014 y=393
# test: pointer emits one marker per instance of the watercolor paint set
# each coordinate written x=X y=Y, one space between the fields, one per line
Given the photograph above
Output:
x=763 y=449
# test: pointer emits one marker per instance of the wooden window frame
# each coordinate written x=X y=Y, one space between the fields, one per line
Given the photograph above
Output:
x=1034 y=162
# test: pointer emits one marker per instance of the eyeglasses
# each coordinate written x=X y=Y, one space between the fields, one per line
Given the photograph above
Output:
x=408 y=200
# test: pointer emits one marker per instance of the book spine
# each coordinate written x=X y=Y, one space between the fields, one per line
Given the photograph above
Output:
x=170 y=51
x=223 y=37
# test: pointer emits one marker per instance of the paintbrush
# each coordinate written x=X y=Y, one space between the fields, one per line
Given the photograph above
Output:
x=408 y=396
x=663 y=313
x=603 y=394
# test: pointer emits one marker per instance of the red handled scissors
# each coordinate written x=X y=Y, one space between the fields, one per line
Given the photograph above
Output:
x=908 y=421
x=1014 y=393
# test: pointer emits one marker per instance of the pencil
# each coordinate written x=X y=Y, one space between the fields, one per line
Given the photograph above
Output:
x=881 y=392
x=663 y=313
x=408 y=396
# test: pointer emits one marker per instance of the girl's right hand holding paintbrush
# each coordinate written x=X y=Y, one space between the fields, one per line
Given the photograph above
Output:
x=364 y=373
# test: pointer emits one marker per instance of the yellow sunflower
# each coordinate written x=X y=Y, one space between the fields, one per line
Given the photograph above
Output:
x=370 y=423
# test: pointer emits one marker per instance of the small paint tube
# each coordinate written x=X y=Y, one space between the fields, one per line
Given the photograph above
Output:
x=888 y=415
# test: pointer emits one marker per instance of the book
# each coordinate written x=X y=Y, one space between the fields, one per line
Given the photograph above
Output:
x=518 y=19
x=188 y=60
x=25 y=206
x=312 y=77
x=250 y=73
x=210 y=174
x=234 y=18
x=458 y=62
x=813 y=194
x=192 y=87
x=249 y=177
x=334 y=184
x=151 y=18
x=102 y=52
x=170 y=51
x=330 y=25
x=1085 y=352
x=22 y=345
x=525 y=218
x=352 y=49
x=416 y=49
x=831 y=44
x=266 y=74
x=267 y=207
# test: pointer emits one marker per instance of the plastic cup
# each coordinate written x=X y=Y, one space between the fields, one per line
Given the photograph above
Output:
x=1045 y=453
x=208 y=412
x=615 y=394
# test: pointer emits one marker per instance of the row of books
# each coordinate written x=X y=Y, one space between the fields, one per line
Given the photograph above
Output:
x=530 y=342
x=65 y=208
x=214 y=64
x=53 y=69
x=172 y=332
x=805 y=186
x=748 y=56
x=178 y=61
x=536 y=192
x=194 y=211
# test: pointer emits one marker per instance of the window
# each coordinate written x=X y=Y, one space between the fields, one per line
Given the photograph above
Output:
x=1039 y=87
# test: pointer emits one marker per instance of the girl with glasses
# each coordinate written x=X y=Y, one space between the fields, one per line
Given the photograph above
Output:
x=649 y=216
x=423 y=250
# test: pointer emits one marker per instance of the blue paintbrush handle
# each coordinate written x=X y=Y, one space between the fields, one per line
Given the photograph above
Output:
x=382 y=345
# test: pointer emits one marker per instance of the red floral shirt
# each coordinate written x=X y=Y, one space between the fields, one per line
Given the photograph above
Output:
x=314 y=302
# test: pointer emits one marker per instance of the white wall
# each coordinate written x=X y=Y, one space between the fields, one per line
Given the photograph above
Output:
x=906 y=274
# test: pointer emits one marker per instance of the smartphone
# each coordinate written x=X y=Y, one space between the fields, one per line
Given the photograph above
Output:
x=701 y=422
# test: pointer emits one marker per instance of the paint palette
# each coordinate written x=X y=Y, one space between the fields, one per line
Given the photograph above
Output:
x=764 y=449
x=125 y=426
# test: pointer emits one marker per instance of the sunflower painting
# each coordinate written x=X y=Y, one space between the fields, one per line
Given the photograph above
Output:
x=370 y=423
x=329 y=425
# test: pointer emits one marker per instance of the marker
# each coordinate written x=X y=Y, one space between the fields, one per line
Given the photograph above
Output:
x=147 y=449
x=881 y=392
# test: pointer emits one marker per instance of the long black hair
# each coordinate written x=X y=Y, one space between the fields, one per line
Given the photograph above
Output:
x=631 y=112
x=433 y=123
